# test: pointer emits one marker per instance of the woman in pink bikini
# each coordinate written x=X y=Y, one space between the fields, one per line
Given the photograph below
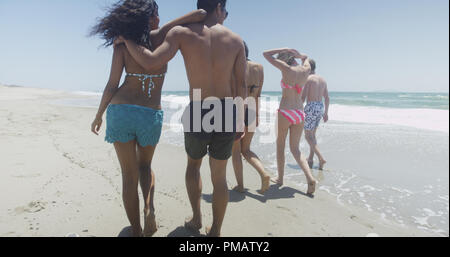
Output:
x=290 y=115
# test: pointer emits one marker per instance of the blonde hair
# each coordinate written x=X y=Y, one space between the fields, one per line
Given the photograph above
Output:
x=286 y=57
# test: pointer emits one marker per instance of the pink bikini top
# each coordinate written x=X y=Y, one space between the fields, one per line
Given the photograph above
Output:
x=296 y=87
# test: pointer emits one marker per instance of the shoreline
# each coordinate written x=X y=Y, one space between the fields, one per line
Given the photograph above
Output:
x=66 y=180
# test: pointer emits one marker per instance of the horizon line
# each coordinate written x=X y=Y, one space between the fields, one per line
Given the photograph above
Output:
x=264 y=91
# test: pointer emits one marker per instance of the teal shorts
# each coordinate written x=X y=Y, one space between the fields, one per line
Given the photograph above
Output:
x=125 y=123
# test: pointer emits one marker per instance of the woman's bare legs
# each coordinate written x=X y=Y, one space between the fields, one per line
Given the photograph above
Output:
x=147 y=181
x=296 y=132
x=283 y=129
x=126 y=152
x=254 y=160
x=238 y=167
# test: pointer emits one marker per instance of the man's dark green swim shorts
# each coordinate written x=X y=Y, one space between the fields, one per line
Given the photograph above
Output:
x=218 y=145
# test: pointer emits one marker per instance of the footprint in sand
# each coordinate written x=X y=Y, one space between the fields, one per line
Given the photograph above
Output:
x=34 y=227
x=33 y=207
x=287 y=210
x=359 y=221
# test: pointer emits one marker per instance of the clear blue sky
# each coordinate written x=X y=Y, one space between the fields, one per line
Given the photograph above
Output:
x=382 y=45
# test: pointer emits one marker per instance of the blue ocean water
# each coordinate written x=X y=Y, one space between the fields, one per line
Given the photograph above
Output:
x=438 y=101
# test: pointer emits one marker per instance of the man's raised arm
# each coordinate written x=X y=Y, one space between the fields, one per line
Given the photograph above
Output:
x=161 y=56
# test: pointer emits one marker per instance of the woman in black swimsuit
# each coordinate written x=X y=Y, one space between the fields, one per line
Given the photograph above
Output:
x=255 y=81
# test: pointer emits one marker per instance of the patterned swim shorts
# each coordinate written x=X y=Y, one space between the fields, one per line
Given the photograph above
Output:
x=314 y=113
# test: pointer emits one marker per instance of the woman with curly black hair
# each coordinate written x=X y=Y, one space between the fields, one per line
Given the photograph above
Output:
x=134 y=115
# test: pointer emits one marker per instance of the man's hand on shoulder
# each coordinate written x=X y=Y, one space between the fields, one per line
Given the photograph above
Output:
x=119 y=40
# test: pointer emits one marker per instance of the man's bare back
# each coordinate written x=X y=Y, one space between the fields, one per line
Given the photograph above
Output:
x=316 y=88
x=210 y=55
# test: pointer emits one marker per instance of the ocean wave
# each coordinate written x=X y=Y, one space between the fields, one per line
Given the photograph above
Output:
x=175 y=99
x=87 y=93
x=436 y=97
x=429 y=119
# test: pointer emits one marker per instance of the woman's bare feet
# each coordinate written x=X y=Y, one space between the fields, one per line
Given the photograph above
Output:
x=209 y=233
x=192 y=225
x=150 y=227
x=239 y=189
x=277 y=181
x=312 y=187
x=322 y=164
x=265 y=184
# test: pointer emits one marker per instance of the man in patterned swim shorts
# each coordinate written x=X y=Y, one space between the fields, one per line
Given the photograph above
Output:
x=316 y=90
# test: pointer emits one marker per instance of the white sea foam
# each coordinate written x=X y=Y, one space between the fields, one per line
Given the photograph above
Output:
x=429 y=119
x=422 y=221
x=175 y=99
x=405 y=191
x=430 y=213
x=369 y=188
x=438 y=97
x=88 y=93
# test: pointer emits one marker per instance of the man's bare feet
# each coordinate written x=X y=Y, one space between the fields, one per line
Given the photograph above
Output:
x=312 y=187
x=265 y=184
x=192 y=225
x=209 y=233
x=150 y=227
x=310 y=163
x=277 y=181
x=322 y=164
x=239 y=189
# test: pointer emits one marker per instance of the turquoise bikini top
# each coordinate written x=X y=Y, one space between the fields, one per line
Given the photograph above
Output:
x=143 y=78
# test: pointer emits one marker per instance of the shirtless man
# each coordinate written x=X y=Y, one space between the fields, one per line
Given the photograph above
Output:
x=212 y=55
x=315 y=91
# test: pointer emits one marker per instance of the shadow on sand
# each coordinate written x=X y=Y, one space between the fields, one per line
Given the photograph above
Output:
x=178 y=232
x=183 y=232
x=275 y=192
x=126 y=232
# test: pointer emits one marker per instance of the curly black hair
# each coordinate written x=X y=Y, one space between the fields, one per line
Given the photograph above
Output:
x=210 y=5
x=127 y=18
